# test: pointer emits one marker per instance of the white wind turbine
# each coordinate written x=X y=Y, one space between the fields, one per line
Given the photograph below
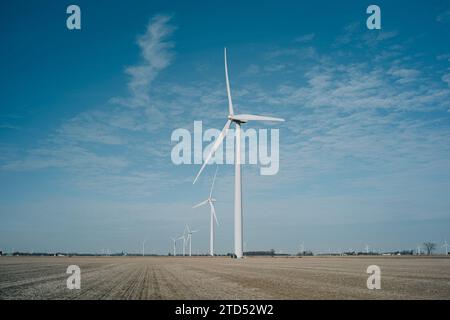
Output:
x=238 y=120
x=445 y=245
x=213 y=216
x=174 y=240
x=183 y=237
x=189 y=238
x=302 y=248
x=143 y=247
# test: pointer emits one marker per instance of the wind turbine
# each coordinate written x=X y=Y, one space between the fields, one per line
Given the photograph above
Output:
x=213 y=217
x=143 y=247
x=174 y=246
x=302 y=246
x=189 y=238
x=183 y=237
x=446 y=247
x=238 y=120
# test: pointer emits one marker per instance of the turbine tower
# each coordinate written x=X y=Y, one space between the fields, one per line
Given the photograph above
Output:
x=213 y=216
x=174 y=240
x=143 y=247
x=302 y=246
x=183 y=237
x=446 y=247
x=238 y=120
x=189 y=238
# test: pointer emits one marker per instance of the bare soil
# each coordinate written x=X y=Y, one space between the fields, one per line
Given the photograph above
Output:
x=224 y=278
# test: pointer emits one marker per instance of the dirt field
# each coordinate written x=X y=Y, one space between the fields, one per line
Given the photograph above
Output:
x=224 y=278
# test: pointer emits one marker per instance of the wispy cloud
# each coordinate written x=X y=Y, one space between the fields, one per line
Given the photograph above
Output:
x=443 y=17
x=157 y=55
x=307 y=52
x=446 y=78
x=305 y=38
x=366 y=128
x=344 y=116
x=108 y=148
x=352 y=34
x=9 y=126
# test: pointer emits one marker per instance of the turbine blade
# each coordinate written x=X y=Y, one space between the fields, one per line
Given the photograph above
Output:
x=253 y=117
x=213 y=209
x=200 y=204
x=214 y=147
x=230 y=103
x=212 y=185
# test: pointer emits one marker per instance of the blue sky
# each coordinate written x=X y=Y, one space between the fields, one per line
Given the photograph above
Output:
x=86 y=119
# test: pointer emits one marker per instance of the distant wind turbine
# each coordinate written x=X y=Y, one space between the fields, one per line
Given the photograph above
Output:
x=445 y=245
x=213 y=216
x=189 y=238
x=183 y=237
x=174 y=246
x=302 y=248
x=143 y=247
x=238 y=120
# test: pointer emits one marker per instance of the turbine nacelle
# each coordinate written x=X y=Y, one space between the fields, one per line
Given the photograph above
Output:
x=233 y=118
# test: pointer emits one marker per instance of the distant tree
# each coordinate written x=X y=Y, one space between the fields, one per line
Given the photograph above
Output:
x=430 y=247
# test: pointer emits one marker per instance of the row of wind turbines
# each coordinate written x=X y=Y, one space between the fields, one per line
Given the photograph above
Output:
x=238 y=120
x=187 y=239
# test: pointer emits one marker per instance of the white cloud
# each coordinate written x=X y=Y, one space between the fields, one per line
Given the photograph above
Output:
x=444 y=57
x=252 y=70
x=157 y=55
x=446 y=78
x=443 y=17
x=305 y=38
x=302 y=53
x=404 y=75
x=107 y=149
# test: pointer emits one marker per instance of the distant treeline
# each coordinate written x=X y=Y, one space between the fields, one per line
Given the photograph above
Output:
x=264 y=253
x=65 y=254
x=271 y=253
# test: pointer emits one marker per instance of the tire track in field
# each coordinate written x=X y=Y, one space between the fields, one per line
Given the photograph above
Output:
x=171 y=285
x=109 y=283
x=155 y=282
x=134 y=282
x=92 y=283
x=149 y=288
x=126 y=283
